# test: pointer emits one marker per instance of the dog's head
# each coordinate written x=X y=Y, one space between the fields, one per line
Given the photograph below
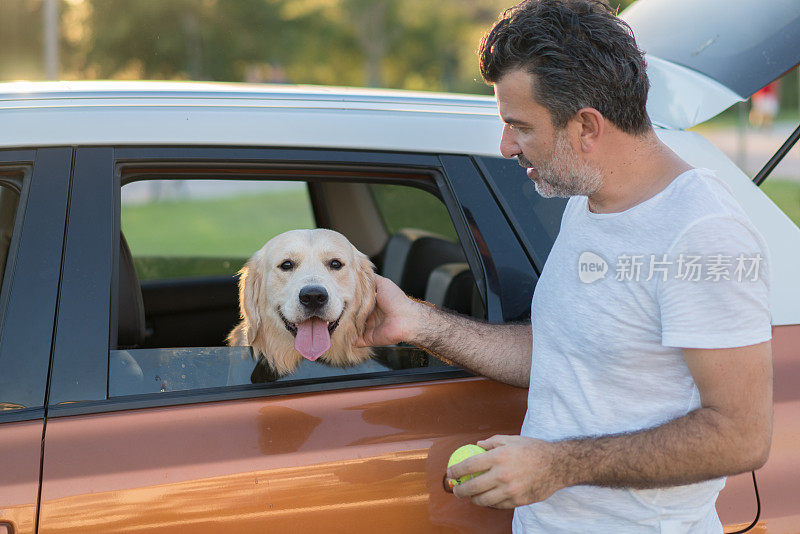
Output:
x=306 y=293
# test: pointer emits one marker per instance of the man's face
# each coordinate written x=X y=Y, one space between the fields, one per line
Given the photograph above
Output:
x=546 y=152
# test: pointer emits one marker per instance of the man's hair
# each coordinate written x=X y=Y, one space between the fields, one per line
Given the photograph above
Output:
x=580 y=54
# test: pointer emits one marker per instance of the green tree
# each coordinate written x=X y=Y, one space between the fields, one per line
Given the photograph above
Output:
x=21 y=39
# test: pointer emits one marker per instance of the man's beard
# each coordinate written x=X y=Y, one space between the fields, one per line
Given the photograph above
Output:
x=565 y=174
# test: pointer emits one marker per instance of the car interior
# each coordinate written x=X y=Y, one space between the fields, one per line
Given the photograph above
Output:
x=170 y=331
x=9 y=198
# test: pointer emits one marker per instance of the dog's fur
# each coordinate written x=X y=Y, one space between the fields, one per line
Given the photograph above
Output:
x=269 y=294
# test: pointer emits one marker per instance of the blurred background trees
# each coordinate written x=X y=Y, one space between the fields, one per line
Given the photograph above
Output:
x=406 y=44
x=403 y=44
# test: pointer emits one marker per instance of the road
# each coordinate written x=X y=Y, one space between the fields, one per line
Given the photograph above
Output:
x=757 y=146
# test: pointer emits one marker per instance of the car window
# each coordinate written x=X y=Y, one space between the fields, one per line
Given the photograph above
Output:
x=536 y=219
x=9 y=199
x=191 y=228
x=407 y=207
x=188 y=239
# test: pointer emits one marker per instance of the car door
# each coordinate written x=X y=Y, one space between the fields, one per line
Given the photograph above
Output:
x=352 y=453
x=33 y=203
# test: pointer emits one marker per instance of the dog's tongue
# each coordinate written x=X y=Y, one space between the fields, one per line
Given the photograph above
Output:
x=312 y=339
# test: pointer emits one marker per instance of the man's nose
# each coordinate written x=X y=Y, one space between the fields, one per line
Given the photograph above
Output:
x=508 y=143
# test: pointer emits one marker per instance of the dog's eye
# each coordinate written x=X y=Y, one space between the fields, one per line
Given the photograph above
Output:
x=288 y=265
x=336 y=265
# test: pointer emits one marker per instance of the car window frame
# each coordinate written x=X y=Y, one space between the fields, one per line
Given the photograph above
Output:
x=528 y=225
x=28 y=303
x=79 y=382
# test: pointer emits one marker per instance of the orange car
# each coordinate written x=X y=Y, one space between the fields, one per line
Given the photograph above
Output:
x=126 y=210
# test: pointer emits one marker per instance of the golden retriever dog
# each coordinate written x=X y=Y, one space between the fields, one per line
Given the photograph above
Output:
x=305 y=294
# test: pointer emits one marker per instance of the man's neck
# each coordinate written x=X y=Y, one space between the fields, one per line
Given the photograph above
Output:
x=636 y=169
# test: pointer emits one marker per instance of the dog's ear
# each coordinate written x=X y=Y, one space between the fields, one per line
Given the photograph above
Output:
x=250 y=297
x=365 y=291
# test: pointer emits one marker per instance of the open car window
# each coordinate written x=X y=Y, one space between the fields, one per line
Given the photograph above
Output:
x=187 y=239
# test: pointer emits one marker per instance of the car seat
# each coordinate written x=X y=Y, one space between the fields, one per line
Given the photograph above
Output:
x=452 y=286
x=410 y=256
x=130 y=320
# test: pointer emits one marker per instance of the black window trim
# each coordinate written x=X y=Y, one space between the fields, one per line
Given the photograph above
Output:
x=29 y=304
x=117 y=159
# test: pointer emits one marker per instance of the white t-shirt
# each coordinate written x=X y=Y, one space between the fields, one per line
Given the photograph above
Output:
x=618 y=296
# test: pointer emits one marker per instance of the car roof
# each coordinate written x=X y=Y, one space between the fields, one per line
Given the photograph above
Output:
x=205 y=113
x=177 y=90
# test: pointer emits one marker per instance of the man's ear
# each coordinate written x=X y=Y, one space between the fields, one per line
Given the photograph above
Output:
x=250 y=297
x=590 y=125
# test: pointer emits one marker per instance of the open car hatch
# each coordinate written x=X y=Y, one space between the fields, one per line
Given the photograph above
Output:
x=703 y=57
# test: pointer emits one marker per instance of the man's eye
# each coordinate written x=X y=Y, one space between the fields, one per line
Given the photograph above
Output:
x=288 y=265
x=336 y=265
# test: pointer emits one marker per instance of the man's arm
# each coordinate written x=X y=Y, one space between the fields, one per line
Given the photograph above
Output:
x=730 y=433
x=500 y=352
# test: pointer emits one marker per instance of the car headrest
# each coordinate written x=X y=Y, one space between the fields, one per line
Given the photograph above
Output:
x=452 y=286
x=130 y=321
x=395 y=253
x=425 y=254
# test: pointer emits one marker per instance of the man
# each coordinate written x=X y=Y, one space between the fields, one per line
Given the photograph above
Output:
x=647 y=384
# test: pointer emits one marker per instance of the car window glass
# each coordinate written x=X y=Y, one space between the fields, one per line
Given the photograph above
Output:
x=187 y=242
x=188 y=228
x=408 y=207
x=9 y=198
x=537 y=219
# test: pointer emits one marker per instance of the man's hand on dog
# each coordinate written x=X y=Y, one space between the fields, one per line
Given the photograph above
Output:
x=391 y=320
x=518 y=471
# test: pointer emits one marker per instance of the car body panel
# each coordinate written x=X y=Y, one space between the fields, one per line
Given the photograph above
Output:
x=21 y=443
x=743 y=46
x=780 y=233
x=681 y=98
x=365 y=459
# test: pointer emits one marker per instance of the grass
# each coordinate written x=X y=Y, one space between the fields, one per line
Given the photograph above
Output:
x=202 y=237
x=226 y=227
x=786 y=194
x=176 y=239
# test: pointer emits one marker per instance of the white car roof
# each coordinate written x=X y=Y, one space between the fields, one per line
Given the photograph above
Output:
x=114 y=113
x=180 y=113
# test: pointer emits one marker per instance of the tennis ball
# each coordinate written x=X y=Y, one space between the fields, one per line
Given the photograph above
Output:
x=458 y=456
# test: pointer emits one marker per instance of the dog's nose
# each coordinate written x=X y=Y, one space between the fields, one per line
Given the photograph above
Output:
x=313 y=297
